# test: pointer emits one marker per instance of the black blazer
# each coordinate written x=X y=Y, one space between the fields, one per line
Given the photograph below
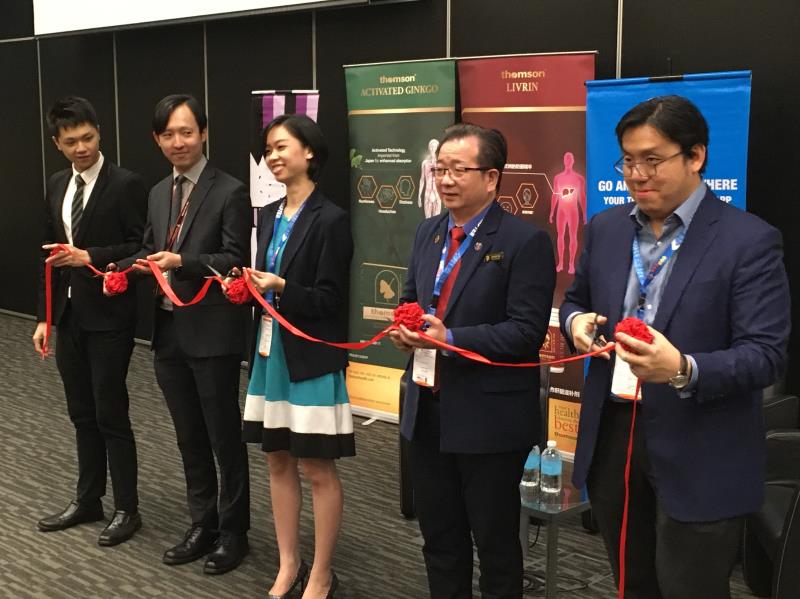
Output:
x=216 y=232
x=316 y=266
x=500 y=308
x=111 y=228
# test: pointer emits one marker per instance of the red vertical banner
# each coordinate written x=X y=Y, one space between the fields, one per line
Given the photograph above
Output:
x=539 y=103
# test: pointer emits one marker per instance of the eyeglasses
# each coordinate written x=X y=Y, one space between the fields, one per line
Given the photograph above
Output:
x=456 y=172
x=646 y=168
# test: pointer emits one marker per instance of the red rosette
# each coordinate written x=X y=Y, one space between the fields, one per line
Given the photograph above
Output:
x=409 y=315
x=237 y=291
x=636 y=329
x=116 y=283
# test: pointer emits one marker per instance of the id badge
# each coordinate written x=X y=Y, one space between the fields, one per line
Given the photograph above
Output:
x=424 y=371
x=623 y=383
x=265 y=338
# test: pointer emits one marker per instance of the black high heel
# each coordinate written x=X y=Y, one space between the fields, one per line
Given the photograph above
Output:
x=334 y=585
x=299 y=579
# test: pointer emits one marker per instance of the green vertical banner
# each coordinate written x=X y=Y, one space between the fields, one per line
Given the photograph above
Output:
x=539 y=103
x=396 y=114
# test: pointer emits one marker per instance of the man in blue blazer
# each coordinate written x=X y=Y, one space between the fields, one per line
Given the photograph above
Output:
x=710 y=282
x=471 y=426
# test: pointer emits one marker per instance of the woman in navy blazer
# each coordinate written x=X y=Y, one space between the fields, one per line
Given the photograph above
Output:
x=297 y=405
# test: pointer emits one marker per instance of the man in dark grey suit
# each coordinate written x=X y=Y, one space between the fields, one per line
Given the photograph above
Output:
x=97 y=210
x=199 y=216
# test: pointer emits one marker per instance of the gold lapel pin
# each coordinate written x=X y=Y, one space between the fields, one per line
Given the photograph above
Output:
x=437 y=238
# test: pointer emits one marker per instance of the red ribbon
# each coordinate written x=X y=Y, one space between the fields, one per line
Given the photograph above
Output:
x=48 y=291
x=638 y=330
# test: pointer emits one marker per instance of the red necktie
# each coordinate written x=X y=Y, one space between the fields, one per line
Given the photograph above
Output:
x=457 y=235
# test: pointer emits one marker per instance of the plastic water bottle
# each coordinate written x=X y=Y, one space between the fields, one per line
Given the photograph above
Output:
x=529 y=485
x=551 y=469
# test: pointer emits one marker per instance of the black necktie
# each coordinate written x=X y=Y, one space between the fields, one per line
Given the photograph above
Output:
x=77 y=206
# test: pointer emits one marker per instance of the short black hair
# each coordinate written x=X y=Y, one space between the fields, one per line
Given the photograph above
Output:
x=308 y=133
x=69 y=112
x=675 y=117
x=167 y=105
x=492 y=145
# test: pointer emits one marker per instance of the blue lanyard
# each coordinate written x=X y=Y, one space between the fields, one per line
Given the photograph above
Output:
x=445 y=270
x=275 y=248
x=646 y=279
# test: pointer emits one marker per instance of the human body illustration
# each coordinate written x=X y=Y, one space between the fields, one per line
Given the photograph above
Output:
x=428 y=198
x=569 y=195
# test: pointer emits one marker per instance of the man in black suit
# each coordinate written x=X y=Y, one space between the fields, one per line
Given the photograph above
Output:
x=471 y=426
x=199 y=216
x=97 y=210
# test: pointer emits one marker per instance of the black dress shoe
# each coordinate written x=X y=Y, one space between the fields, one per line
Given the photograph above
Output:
x=73 y=514
x=299 y=580
x=120 y=529
x=229 y=553
x=197 y=542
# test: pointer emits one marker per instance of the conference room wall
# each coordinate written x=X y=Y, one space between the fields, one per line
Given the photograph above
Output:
x=221 y=61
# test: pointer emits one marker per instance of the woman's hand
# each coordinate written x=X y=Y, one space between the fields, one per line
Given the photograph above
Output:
x=264 y=281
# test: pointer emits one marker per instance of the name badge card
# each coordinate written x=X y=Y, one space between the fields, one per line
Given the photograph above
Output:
x=424 y=371
x=265 y=338
x=623 y=383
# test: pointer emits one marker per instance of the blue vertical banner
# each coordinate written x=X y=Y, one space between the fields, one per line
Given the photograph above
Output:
x=724 y=100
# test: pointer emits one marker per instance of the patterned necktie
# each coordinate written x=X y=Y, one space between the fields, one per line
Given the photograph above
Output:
x=457 y=235
x=77 y=206
x=177 y=196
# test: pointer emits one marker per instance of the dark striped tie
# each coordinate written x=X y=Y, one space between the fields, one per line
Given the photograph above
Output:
x=77 y=206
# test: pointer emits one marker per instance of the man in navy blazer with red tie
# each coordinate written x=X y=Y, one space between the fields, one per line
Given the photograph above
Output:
x=472 y=427
x=718 y=307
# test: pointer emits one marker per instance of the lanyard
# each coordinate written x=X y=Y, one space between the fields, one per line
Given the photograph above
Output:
x=275 y=246
x=444 y=270
x=646 y=279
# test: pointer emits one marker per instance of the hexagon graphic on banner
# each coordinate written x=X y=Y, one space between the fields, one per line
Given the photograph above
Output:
x=367 y=187
x=386 y=197
x=405 y=187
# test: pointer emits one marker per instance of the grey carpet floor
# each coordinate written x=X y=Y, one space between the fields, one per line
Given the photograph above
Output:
x=378 y=555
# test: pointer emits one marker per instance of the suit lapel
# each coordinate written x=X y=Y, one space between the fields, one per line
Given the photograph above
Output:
x=196 y=199
x=473 y=256
x=618 y=257
x=57 y=205
x=301 y=228
x=265 y=234
x=161 y=198
x=699 y=237
x=91 y=202
x=430 y=254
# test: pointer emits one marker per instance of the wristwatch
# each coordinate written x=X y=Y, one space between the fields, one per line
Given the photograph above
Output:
x=680 y=380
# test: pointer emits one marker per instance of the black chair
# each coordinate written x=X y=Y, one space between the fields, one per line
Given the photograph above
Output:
x=771 y=545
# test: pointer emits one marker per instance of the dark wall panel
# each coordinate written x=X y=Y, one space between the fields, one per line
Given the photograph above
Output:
x=520 y=26
x=80 y=66
x=152 y=63
x=757 y=36
x=269 y=52
x=16 y=19
x=22 y=200
x=371 y=34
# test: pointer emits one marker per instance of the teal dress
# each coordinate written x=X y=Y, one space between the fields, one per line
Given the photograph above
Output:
x=309 y=418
